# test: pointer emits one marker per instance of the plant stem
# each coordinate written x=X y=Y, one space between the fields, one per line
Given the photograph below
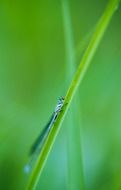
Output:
x=73 y=136
x=86 y=60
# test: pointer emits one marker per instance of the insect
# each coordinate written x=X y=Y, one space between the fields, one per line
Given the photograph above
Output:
x=37 y=146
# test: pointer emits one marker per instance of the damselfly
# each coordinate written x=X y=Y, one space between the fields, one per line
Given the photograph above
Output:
x=37 y=146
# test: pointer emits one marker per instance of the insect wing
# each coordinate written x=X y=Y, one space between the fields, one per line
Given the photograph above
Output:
x=39 y=141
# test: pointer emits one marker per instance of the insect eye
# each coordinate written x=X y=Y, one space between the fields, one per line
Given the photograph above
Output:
x=61 y=99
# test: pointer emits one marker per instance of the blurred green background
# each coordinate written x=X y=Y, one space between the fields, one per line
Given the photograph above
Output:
x=33 y=77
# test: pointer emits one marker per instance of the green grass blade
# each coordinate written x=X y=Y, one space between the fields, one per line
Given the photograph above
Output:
x=75 y=177
x=85 y=62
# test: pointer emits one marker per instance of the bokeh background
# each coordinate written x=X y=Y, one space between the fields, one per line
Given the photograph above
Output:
x=33 y=75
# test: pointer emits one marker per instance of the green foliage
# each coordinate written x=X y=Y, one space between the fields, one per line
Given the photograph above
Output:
x=33 y=76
